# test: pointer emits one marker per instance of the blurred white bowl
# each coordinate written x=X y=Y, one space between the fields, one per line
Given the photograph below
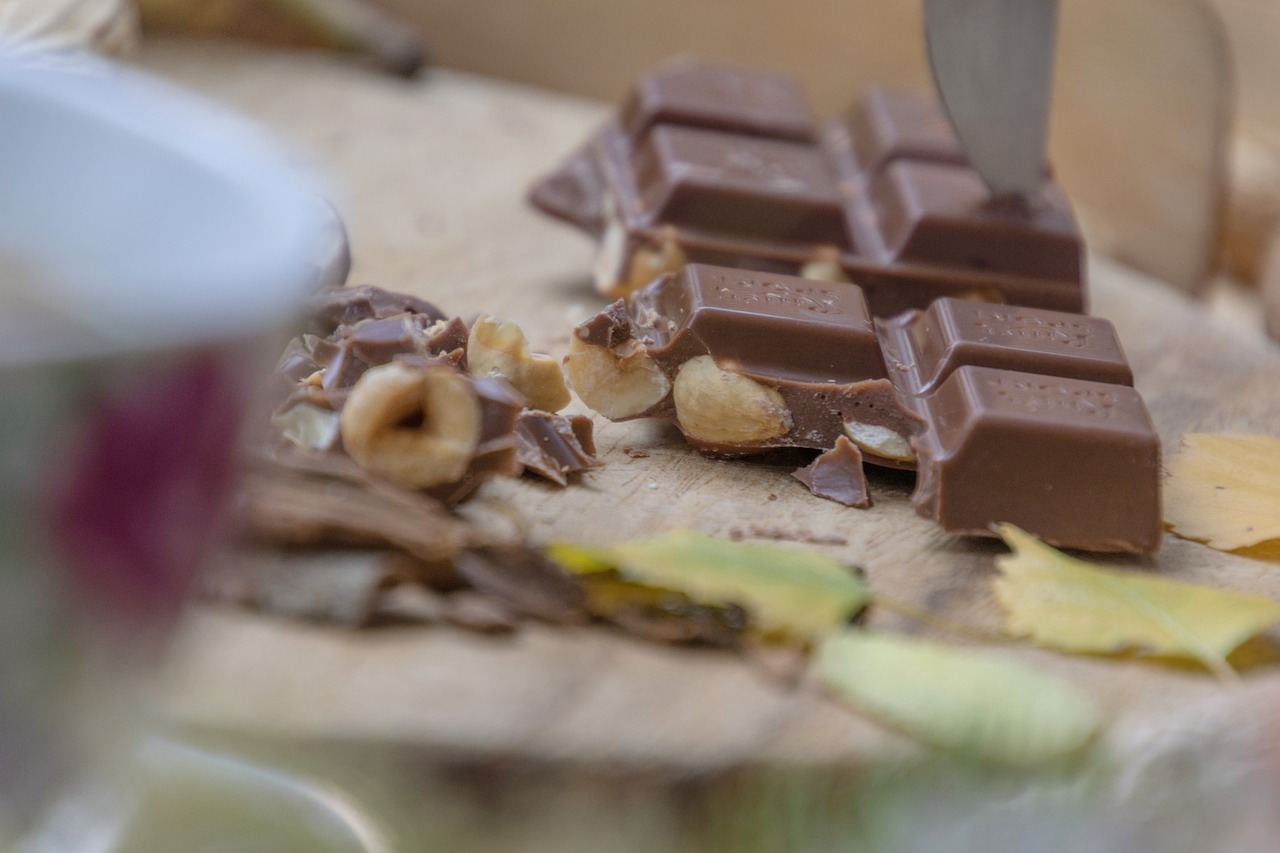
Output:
x=153 y=251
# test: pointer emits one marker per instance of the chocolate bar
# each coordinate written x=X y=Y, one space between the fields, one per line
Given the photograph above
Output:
x=726 y=166
x=743 y=362
x=1009 y=413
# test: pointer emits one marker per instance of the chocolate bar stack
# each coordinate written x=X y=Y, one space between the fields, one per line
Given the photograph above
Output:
x=757 y=248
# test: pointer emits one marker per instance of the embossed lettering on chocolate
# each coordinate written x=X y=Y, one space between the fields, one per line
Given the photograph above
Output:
x=723 y=165
x=1077 y=463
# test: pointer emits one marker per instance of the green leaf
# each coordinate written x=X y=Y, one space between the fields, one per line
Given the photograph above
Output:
x=786 y=592
x=1068 y=604
x=980 y=705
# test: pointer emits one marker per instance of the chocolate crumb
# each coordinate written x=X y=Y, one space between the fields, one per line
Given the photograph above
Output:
x=837 y=475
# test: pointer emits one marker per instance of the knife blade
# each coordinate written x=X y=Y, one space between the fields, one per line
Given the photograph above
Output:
x=992 y=63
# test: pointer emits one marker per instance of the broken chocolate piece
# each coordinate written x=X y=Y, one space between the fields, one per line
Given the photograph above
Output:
x=837 y=475
x=926 y=347
x=747 y=361
x=691 y=93
x=346 y=306
x=1077 y=463
x=307 y=499
x=526 y=582
x=723 y=165
x=887 y=124
x=555 y=446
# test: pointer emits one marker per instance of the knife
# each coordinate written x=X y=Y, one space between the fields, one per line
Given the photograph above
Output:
x=992 y=63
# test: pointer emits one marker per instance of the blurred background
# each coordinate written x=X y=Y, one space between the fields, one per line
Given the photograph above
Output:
x=1164 y=128
x=1166 y=133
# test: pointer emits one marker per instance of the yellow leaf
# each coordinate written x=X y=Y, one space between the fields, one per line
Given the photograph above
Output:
x=1065 y=603
x=580 y=559
x=980 y=705
x=786 y=592
x=1224 y=490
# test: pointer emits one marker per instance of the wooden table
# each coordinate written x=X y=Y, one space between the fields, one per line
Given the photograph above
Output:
x=430 y=177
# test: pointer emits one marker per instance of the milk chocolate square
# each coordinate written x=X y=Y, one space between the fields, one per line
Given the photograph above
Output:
x=1076 y=463
x=758 y=188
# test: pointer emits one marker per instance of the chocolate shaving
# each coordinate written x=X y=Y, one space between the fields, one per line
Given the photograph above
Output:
x=526 y=582
x=345 y=306
x=555 y=446
x=308 y=499
x=478 y=612
x=837 y=475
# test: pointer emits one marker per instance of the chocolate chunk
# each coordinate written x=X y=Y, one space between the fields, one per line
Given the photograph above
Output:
x=724 y=166
x=888 y=124
x=1075 y=462
x=747 y=101
x=765 y=189
x=806 y=351
x=575 y=193
x=837 y=475
x=555 y=446
x=346 y=306
x=942 y=216
x=495 y=453
x=926 y=347
x=765 y=325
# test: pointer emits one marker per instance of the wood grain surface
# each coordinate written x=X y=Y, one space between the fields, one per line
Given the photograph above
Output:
x=430 y=178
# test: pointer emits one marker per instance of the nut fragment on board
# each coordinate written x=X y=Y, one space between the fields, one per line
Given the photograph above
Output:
x=415 y=425
x=720 y=406
x=500 y=349
x=880 y=440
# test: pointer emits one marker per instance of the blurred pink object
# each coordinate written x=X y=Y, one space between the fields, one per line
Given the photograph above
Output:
x=153 y=253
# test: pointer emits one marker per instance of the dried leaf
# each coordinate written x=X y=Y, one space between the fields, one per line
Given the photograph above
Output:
x=660 y=615
x=1224 y=490
x=787 y=592
x=1065 y=603
x=982 y=706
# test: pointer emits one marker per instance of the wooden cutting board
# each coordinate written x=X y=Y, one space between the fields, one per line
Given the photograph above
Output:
x=430 y=177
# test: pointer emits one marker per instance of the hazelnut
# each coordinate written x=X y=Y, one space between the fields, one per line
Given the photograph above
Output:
x=879 y=441
x=500 y=350
x=622 y=268
x=417 y=425
x=717 y=405
x=616 y=386
x=307 y=425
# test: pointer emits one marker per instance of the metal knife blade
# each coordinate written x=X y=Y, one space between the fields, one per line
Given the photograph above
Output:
x=992 y=64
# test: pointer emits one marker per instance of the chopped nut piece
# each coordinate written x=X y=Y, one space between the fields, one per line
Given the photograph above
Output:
x=717 y=405
x=649 y=262
x=880 y=440
x=501 y=350
x=379 y=429
x=308 y=425
x=616 y=386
